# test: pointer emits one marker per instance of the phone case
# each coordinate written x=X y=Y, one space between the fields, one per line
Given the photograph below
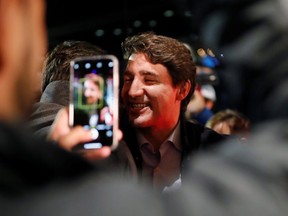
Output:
x=94 y=98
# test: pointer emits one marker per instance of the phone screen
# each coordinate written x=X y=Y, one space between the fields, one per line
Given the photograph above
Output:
x=94 y=98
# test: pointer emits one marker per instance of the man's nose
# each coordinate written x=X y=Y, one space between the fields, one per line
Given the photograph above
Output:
x=136 y=88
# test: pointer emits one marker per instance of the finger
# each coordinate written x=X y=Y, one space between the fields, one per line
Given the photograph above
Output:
x=119 y=135
x=96 y=154
x=60 y=125
x=76 y=135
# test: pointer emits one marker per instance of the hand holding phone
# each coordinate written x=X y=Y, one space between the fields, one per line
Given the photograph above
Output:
x=68 y=137
x=94 y=99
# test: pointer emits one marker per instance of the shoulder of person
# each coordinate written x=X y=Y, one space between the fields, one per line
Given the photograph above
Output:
x=122 y=160
x=206 y=137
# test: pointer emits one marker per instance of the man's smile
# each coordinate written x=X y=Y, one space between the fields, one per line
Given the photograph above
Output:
x=137 y=107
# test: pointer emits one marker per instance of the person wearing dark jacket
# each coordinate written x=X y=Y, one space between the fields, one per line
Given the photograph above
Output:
x=158 y=82
x=53 y=98
x=26 y=162
x=55 y=83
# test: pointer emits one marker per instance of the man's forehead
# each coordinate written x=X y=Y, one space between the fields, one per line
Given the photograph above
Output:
x=133 y=56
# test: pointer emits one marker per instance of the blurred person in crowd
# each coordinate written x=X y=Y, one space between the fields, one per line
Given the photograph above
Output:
x=230 y=122
x=26 y=162
x=55 y=83
x=209 y=94
x=200 y=107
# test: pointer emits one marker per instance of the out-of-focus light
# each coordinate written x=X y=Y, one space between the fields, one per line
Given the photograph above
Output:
x=87 y=65
x=152 y=23
x=187 y=13
x=99 y=64
x=212 y=78
x=99 y=32
x=76 y=66
x=110 y=64
x=109 y=133
x=168 y=13
x=137 y=23
x=117 y=31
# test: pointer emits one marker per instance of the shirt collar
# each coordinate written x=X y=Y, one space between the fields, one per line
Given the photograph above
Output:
x=174 y=137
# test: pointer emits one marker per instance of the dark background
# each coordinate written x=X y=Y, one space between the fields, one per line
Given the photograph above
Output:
x=106 y=23
x=116 y=19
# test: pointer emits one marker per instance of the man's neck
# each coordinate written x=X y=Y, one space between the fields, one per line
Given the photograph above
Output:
x=156 y=136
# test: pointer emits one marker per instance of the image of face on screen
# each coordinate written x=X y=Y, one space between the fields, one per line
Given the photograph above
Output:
x=92 y=90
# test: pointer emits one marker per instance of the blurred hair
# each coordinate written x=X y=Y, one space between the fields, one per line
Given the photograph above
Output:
x=57 y=62
x=237 y=122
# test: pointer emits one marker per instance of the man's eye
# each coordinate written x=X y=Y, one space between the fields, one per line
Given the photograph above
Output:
x=128 y=79
x=150 y=81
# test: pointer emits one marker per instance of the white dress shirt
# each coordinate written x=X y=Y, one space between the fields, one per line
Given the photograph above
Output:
x=162 y=168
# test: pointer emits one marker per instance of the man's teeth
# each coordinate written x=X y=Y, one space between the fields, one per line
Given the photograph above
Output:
x=138 y=105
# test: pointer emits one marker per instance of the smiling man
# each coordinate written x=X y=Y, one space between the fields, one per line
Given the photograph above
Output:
x=159 y=81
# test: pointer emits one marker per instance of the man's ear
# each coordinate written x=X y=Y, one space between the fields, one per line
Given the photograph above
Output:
x=183 y=90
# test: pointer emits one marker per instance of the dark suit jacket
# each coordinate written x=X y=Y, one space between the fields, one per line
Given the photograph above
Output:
x=54 y=98
x=194 y=138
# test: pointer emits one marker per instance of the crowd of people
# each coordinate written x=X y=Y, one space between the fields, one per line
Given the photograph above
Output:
x=166 y=163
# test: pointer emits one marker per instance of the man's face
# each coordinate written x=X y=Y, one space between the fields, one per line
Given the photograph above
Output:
x=91 y=91
x=149 y=95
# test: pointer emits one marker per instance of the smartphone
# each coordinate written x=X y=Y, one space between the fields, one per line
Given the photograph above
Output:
x=94 y=99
